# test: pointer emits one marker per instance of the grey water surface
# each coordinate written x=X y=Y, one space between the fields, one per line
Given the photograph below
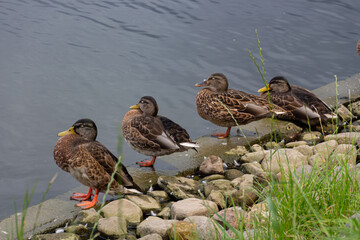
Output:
x=62 y=60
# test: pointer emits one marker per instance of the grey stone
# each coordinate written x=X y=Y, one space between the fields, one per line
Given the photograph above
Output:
x=153 y=236
x=78 y=229
x=145 y=202
x=161 y=196
x=283 y=159
x=217 y=197
x=165 y=213
x=257 y=148
x=123 y=208
x=193 y=207
x=180 y=187
x=112 y=226
x=212 y=165
x=253 y=157
x=325 y=148
x=237 y=152
x=183 y=230
x=254 y=168
x=232 y=216
x=213 y=177
x=89 y=216
x=204 y=227
x=221 y=184
x=57 y=236
x=244 y=194
x=295 y=144
x=153 y=225
x=311 y=137
x=231 y=174
x=344 y=113
x=304 y=149
x=272 y=145
x=344 y=138
x=355 y=108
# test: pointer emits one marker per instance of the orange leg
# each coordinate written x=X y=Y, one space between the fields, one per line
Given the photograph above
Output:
x=222 y=135
x=82 y=196
x=147 y=163
x=88 y=204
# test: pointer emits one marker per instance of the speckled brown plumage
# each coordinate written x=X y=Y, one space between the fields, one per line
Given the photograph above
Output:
x=303 y=104
x=152 y=134
x=215 y=101
x=90 y=162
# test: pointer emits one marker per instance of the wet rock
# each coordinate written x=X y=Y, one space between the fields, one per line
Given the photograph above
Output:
x=88 y=216
x=180 y=187
x=161 y=196
x=183 y=230
x=57 y=236
x=204 y=227
x=217 y=197
x=145 y=202
x=193 y=207
x=153 y=236
x=344 y=113
x=125 y=209
x=234 y=216
x=345 y=138
x=274 y=145
x=165 y=213
x=112 y=226
x=153 y=225
x=237 y=152
x=221 y=184
x=253 y=157
x=283 y=130
x=213 y=177
x=78 y=229
x=311 y=137
x=282 y=159
x=231 y=174
x=244 y=194
x=257 y=148
x=305 y=150
x=295 y=144
x=212 y=165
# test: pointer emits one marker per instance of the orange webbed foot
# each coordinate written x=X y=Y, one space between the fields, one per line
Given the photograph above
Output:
x=147 y=163
x=82 y=196
x=89 y=204
x=222 y=135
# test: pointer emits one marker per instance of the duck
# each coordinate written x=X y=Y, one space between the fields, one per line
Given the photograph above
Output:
x=151 y=134
x=306 y=107
x=91 y=163
x=226 y=107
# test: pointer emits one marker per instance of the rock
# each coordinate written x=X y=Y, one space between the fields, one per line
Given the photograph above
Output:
x=231 y=174
x=325 y=149
x=304 y=149
x=237 y=152
x=345 y=138
x=282 y=130
x=57 y=236
x=257 y=148
x=233 y=216
x=282 y=159
x=165 y=213
x=153 y=236
x=347 y=149
x=89 y=216
x=193 y=207
x=272 y=145
x=344 y=113
x=145 y=202
x=311 y=137
x=212 y=165
x=253 y=157
x=317 y=160
x=355 y=108
x=161 y=196
x=300 y=173
x=112 y=226
x=245 y=194
x=257 y=214
x=221 y=184
x=153 y=225
x=180 y=187
x=296 y=144
x=341 y=159
x=217 y=197
x=78 y=229
x=254 y=169
x=183 y=230
x=204 y=227
x=123 y=208
x=213 y=177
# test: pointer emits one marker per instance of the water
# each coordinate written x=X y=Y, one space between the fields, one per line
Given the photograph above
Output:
x=63 y=60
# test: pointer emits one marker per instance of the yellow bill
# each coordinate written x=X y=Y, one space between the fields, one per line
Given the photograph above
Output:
x=135 y=106
x=264 y=89
x=67 y=132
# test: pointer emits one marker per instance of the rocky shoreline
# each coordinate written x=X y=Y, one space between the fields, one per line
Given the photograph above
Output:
x=223 y=190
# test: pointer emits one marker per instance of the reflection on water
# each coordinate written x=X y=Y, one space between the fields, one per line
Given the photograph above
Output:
x=65 y=60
